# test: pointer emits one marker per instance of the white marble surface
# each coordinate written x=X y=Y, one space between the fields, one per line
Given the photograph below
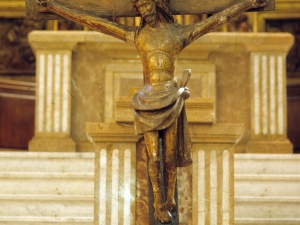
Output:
x=267 y=164
x=267 y=189
x=115 y=183
x=46 y=188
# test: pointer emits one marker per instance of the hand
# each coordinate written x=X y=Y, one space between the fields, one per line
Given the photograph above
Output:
x=186 y=93
x=259 y=3
x=44 y=5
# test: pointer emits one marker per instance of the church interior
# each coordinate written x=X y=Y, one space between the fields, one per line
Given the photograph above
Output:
x=68 y=152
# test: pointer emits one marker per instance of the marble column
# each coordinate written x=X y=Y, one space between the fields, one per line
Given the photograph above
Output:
x=53 y=95
x=210 y=199
x=268 y=114
x=115 y=173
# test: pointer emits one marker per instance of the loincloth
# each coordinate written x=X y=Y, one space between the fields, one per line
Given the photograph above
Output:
x=158 y=107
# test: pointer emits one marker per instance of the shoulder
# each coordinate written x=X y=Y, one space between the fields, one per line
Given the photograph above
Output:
x=179 y=28
x=177 y=25
x=131 y=33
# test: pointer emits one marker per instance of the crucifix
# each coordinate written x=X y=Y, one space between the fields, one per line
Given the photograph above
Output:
x=159 y=105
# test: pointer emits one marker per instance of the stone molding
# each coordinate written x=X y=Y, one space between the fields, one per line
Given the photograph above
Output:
x=257 y=42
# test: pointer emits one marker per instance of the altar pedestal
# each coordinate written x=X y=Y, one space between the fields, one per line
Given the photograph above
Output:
x=243 y=73
x=205 y=189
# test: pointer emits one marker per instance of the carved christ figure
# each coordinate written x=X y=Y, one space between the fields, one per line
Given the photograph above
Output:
x=159 y=105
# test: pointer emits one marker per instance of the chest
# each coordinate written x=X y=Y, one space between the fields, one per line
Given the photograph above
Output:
x=166 y=39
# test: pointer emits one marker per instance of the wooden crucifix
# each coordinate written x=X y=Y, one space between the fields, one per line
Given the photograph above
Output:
x=159 y=105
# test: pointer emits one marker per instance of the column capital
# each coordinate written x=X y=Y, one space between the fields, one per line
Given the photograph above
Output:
x=55 y=40
x=244 y=42
x=111 y=132
x=216 y=133
x=69 y=40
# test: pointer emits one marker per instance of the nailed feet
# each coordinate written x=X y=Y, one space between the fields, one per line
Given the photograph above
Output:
x=162 y=214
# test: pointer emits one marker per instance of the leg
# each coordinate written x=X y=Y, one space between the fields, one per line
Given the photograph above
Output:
x=169 y=142
x=152 y=143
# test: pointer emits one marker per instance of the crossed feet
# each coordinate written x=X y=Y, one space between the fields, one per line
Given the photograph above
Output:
x=162 y=211
x=162 y=214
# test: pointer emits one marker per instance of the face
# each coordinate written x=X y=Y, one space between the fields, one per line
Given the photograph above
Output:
x=147 y=9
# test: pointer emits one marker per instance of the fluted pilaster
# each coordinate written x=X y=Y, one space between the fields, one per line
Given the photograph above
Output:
x=53 y=95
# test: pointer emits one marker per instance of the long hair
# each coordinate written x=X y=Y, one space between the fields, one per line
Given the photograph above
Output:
x=163 y=5
x=163 y=8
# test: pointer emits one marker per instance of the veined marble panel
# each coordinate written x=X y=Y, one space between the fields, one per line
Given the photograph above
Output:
x=115 y=187
x=212 y=187
x=53 y=92
x=268 y=94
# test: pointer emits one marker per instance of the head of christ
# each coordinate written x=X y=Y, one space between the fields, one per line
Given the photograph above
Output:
x=151 y=10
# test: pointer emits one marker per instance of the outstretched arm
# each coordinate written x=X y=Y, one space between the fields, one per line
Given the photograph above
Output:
x=125 y=33
x=193 y=31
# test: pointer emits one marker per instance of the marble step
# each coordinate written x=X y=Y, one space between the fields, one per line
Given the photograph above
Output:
x=261 y=185
x=46 y=183
x=267 y=164
x=46 y=188
x=267 y=207
x=46 y=206
x=58 y=188
x=19 y=220
x=47 y=162
x=267 y=221
x=267 y=189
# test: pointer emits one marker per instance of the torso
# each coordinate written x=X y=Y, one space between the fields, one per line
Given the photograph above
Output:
x=159 y=49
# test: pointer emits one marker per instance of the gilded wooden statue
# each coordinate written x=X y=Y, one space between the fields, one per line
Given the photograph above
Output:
x=159 y=105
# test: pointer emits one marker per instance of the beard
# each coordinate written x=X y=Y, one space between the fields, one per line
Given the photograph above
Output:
x=151 y=19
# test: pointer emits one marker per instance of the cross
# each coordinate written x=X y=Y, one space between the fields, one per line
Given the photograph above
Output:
x=160 y=105
x=123 y=8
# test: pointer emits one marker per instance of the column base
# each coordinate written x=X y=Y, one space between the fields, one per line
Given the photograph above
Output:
x=51 y=144
x=270 y=147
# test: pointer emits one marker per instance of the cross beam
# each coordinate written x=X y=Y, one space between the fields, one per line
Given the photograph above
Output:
x=124 y=8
